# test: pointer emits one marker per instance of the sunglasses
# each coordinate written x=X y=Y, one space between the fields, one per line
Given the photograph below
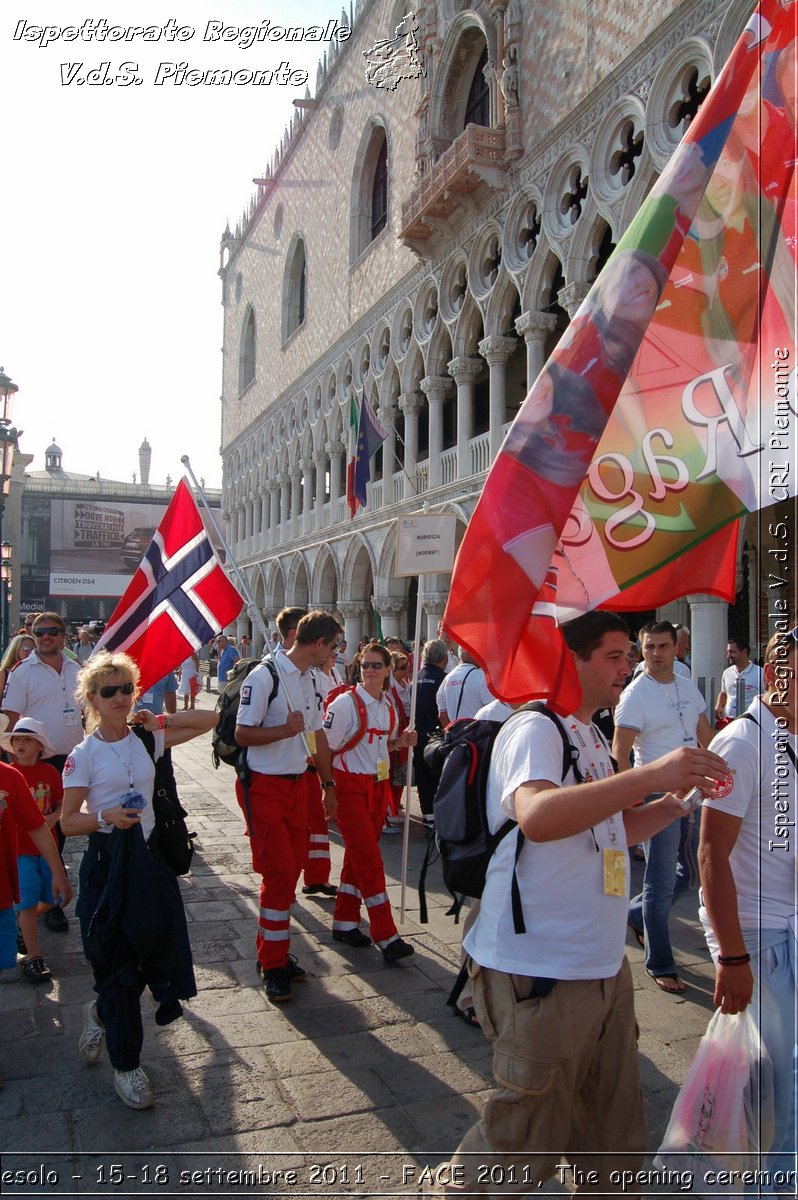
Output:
x=110 y=689
x=402 y=666
x=47 y=631
x=374 y=666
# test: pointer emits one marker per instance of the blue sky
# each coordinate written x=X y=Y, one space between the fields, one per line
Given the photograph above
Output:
x=114 y=200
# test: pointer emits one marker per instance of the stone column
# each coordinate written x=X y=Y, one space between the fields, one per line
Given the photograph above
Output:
x=386 y=416
x=534 y=328
x=336 y=452
x=572 y=295
x=263 y=494
x=465 y=372
x=434 y=604
x=274 y=516
x=410 y=404
x=320 y=463
x=390 y=609
x=435 y=388
x=285 y=507
x=295 y=475
x=306 y=467
x=709 y=622
x=228 y=528
x=496 y=350
x=352 y=612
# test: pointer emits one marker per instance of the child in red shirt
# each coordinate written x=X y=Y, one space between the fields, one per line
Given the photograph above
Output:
x=26 y=745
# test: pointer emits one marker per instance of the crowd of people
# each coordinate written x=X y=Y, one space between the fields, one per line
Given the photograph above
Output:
x=328 y=738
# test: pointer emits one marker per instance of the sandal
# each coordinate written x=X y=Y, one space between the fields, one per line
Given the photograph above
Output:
x=670 y=977
x=469 y=1015
x=35 y=970
x=638 y=936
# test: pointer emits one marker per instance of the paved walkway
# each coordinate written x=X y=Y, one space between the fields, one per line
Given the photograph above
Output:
x=356 y=1084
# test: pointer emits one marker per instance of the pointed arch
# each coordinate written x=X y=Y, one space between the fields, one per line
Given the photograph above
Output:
x=247 y=350
x=294 y=287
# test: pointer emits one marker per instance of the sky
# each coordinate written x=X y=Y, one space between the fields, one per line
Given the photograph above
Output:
x=113 y=203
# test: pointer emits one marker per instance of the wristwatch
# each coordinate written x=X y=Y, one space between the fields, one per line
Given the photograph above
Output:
x=102 y=822
x=327 y=784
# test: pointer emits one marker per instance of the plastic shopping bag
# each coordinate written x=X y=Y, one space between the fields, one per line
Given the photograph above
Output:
x=723 y=1117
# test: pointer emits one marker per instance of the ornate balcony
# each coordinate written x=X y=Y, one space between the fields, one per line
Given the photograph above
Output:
x=476 y=159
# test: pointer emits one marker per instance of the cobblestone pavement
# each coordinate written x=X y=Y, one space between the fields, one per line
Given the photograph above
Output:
x=354 y=1086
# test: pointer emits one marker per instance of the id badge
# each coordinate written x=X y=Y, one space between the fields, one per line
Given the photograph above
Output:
x=614 y=872
x=310 y=734
x=71 y=716
x=383 y=766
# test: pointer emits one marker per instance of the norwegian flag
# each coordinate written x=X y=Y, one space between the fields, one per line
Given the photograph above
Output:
x=178 y=598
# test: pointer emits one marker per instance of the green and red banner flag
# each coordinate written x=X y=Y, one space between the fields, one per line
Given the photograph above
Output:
x=667 y=411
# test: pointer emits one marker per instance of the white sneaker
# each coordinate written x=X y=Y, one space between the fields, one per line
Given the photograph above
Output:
x=91 y=1039
x=133 y=1088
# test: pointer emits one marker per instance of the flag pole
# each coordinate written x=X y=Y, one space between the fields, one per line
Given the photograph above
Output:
x=251 y=609
x=411 y=725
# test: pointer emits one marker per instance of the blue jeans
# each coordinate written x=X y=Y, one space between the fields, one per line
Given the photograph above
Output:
x=671 y=868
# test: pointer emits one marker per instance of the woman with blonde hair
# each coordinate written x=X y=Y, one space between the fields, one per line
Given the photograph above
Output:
x=18 y=650
x=129 y=905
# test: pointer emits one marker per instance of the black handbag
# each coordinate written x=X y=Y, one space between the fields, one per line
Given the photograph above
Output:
x=171 y=836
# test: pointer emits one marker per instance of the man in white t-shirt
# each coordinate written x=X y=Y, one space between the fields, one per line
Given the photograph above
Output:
x=740 y=669
x=556 y=999
x=658 y=712
x=280 y=729
x=747 y=860
x=463 y=691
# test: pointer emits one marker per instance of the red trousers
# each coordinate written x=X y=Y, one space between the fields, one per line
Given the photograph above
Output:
x=317 y=864
x=362 y=804
x=277 y=822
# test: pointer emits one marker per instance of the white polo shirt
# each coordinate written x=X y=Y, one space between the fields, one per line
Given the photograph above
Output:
x=463 y=691
x=763 y=793
x=295 y=691
x=342 y=723
x=753 y=680
x=37 y=690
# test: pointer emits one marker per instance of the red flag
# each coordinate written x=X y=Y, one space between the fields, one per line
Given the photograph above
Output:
x=589 y=502
x=178 y=598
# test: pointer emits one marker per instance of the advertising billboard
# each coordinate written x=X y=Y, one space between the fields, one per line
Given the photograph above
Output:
x=95 y=546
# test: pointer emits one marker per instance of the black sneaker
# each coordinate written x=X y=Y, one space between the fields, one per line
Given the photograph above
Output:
x=397 y=949
x=55 y=921
x=320 y=889
x=352 y=937
x=278 y=984
x=295 y=972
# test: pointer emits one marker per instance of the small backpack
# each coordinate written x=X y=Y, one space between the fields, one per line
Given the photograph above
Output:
x=172 y=836
x=462 y=832
x=224 y=746
x=362 y=717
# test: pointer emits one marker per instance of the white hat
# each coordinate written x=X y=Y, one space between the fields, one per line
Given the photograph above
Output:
x=27 y=727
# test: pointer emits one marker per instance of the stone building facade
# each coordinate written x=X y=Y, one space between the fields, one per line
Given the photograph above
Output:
x=427 y=244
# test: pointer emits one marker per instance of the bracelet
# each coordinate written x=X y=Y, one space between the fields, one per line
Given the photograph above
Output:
x=163 y=722
x=733 y=960
x=328 y=783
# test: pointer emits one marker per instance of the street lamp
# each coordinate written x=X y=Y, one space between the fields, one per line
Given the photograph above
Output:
x=6 y=579
x=8 y=444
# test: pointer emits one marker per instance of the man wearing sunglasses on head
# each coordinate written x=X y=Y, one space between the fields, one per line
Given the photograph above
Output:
x=46 y=690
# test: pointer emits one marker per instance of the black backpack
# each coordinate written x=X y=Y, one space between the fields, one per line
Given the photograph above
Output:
x=171 y=834
x=225 y=748
x=462 y=833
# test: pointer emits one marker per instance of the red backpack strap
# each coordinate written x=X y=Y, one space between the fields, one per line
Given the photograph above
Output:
x=360 y=708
